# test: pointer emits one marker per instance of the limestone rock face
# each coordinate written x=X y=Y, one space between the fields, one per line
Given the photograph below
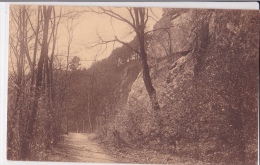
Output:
x=138 y=101
x=175 y=32
x=200 y=87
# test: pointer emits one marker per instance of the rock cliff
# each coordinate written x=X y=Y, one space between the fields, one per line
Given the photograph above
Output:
x=204 y=67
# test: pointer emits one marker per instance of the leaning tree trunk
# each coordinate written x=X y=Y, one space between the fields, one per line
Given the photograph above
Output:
x=148 y=83
x=139 y=29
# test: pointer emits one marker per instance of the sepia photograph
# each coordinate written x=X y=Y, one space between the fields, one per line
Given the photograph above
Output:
x=139 y=85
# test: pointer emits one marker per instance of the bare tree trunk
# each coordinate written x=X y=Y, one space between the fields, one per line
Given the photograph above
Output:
x=89 y=118
x=22 y=131
x=20 y=104
x=35 y=48
x=44 y=52
x=54 y=114
x=140 y=26
x=50 y=120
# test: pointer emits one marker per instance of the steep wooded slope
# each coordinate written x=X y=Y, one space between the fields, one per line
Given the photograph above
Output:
x=206 y=78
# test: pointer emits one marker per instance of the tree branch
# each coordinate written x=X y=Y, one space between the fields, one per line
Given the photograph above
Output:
x=131 y=14
x=32 y=26
x=113 y=14
x=126 y=44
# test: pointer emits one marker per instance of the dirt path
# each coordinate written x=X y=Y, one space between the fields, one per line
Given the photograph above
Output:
x=78 y=147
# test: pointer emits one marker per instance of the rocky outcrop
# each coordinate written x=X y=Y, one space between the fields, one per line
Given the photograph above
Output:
x=203 y=88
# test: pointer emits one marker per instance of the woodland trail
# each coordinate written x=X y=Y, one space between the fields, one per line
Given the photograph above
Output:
x=78 y=147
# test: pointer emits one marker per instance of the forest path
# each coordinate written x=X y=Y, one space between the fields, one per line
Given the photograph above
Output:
x=78 y=147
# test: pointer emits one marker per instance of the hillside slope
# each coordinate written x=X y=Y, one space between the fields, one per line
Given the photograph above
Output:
x=207 y=85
